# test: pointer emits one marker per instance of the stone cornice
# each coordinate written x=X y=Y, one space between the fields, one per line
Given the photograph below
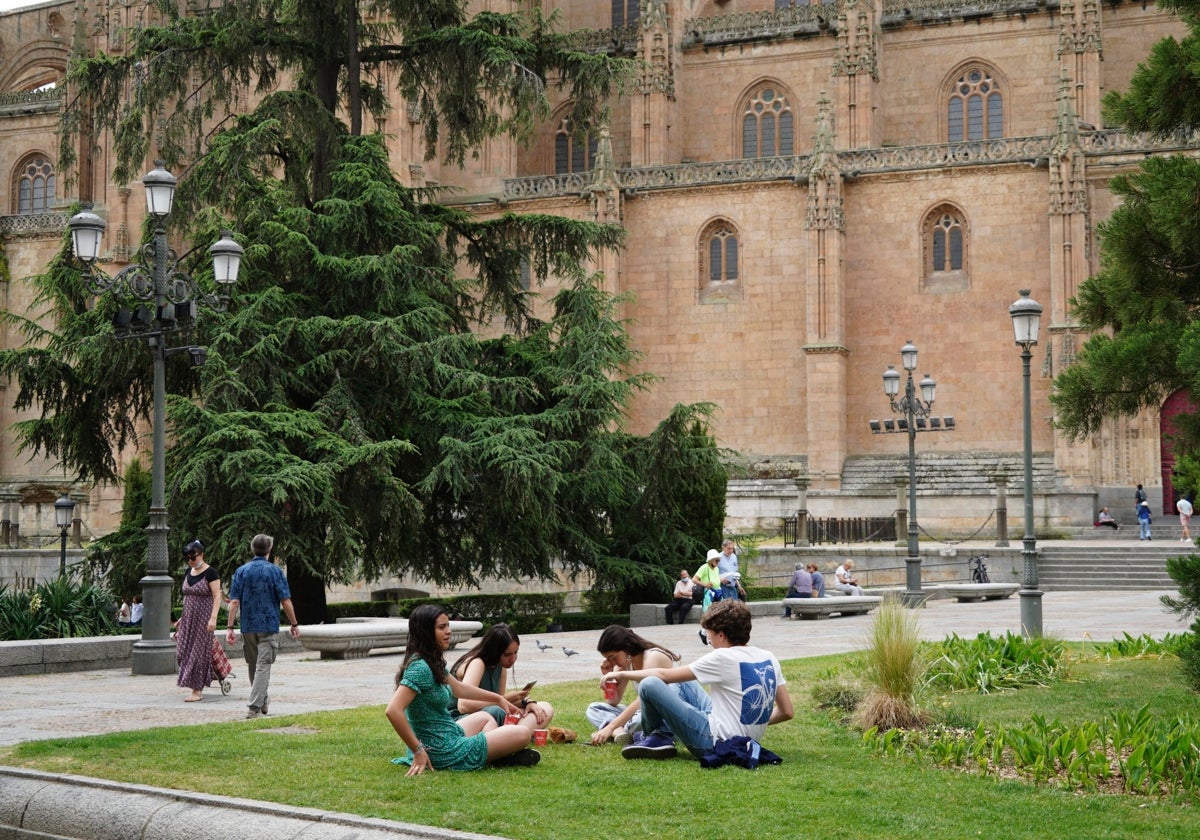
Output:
x=857 y=163
x=34 y=224
x=20 y=103
x=825 y=350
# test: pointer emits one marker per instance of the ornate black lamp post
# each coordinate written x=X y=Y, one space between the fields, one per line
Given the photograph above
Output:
x=913 y=408
x=164 y=300
x=64 y=507
x=1026 y=313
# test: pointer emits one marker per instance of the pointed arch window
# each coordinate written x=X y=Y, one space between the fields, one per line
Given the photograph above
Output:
x=720 y=261
x=34 y=187
x=625 y=13
x=975 y=108
x=767 y=124
x=571 y=152
x=944 y=236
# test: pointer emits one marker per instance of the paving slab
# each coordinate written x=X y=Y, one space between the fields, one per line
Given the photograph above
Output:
x=39 y=706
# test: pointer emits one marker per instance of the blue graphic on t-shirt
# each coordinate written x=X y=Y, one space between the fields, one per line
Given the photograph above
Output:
x=758 y=691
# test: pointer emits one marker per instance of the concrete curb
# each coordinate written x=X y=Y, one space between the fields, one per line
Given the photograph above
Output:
x=41 y=805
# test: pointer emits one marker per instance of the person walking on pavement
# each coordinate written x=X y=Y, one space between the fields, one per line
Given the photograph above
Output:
x=1144 y=521
x=257 y=592
x=1184 y=508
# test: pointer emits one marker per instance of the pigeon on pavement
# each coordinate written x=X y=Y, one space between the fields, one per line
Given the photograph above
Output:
x=541 y=646
x=569 y=652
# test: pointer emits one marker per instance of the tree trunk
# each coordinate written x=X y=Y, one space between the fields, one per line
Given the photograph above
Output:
x=308 y=594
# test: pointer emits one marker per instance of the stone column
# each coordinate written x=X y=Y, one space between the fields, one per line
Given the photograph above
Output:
x=1001 y=509
x=802 y=512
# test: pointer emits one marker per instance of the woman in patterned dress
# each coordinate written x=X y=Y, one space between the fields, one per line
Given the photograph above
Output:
x=420 y=715
x=194 y=631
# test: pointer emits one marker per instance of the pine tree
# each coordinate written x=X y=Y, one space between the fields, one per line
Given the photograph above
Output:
x=348 y=405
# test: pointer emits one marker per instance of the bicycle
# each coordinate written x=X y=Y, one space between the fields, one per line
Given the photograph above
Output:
x=979 y=573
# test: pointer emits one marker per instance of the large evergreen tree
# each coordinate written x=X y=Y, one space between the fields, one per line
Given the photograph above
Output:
x=348 y=406
x=1144 y=302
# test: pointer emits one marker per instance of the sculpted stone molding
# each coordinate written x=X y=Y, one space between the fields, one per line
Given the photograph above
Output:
x=34 y=224
x=825 y=350
x=858 y=162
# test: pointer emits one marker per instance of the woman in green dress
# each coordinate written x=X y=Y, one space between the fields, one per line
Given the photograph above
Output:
x=418 y=710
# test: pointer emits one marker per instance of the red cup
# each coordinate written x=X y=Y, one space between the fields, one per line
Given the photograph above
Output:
x=512 y=717
x=540 y=736
x=610 y=691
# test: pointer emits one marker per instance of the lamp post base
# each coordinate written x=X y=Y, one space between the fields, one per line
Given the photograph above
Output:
x=914 y=596
x=1031 y=613
x=154 y=658
x=154 y=653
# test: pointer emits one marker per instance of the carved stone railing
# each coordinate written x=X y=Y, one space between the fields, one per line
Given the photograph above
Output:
x=623 y=39
x=1006 y=150
x=943 y=155
x=896 y=11
x=768 y=23
x=545 y=186
x=29 y=224
x=29 y=101
x=714 y=172
x=803 y=19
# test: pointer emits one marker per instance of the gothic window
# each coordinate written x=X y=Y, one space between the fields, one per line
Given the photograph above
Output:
x=975 y=109
x=945 y=250
x=525 y=275
x=572 y=153
x=767 y=125
x=720 y=261
x=34 y=187
x=624 y=13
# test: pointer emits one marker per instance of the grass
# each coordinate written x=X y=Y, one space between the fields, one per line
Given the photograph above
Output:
x=829 y=785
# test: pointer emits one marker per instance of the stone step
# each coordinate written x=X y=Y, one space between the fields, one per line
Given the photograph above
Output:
x=939 y=473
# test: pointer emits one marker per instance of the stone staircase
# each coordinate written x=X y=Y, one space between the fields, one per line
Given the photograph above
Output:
x=940 y=474
x=1073 y=565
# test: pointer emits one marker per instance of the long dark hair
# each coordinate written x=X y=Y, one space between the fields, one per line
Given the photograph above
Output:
x=616 y=637
x=489 y=650
x=423 y=643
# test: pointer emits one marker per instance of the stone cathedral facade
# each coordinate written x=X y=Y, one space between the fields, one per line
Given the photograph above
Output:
x=805 y=187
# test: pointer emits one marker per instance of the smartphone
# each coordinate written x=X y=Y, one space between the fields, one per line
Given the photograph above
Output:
x=529 y=685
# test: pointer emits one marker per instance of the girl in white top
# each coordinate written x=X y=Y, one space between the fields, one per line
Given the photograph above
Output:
x=624 y=650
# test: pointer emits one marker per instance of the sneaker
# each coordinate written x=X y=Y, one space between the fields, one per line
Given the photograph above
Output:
x=561 y=735
x=264 y=708
x=652 y=746
x=622 y=737
x=254 y=712
x=524 y=758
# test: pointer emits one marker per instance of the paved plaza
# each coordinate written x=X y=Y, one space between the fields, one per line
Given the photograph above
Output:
x=91 y=702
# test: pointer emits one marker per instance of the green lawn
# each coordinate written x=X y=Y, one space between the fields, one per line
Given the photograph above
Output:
x=828 y=786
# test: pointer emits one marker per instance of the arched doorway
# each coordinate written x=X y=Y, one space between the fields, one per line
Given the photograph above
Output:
x=1176 y=404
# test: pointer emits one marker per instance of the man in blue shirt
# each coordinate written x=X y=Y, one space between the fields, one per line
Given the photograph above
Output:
x=258 y=590
x=727 y=565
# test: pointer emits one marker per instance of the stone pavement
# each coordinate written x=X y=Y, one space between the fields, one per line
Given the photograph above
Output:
x=91 y=702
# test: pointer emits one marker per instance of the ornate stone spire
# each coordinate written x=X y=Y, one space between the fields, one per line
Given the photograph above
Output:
x=824 y=209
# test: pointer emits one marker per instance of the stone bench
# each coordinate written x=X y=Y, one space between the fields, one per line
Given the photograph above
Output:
x=356 y=637
x=651 y=615
x=965 y=592
x=841 y=604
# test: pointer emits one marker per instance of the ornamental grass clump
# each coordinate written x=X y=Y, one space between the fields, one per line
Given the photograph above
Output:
x=892 y=670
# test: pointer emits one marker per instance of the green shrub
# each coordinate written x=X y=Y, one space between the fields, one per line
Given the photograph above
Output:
x=989 y=663
x=893 y=668
x=60 y=608
x=766 y=593
x=526 y=612
x=1185 y=571
x=590 y=621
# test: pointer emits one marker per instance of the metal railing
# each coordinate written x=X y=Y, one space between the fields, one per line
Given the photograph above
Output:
x=841 y=529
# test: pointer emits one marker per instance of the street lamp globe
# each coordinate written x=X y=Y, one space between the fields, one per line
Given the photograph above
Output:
x=928 y=389
x=160 y=190
x=908 y=356
x=1026 y=314
x=64 y=508
x=87 y=232
x=227 y=258
x=891 y=381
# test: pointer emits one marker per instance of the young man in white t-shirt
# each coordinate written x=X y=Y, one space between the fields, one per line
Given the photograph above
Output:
x=1184 y=508
x=747 y=687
